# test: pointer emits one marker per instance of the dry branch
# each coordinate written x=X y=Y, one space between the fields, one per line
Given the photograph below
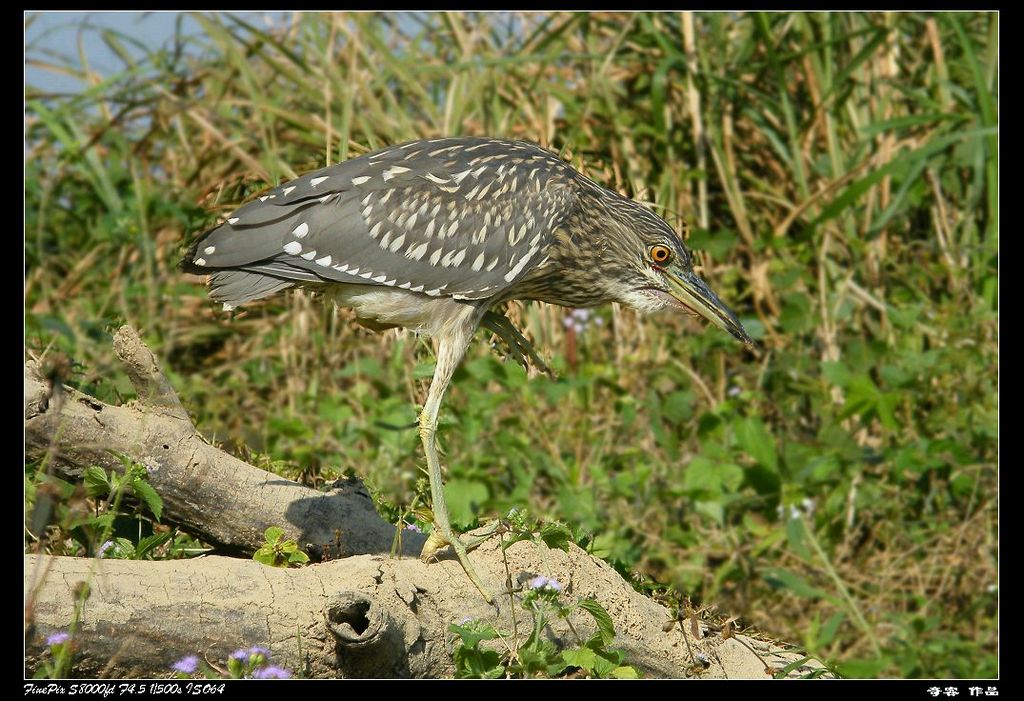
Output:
x=209 y=493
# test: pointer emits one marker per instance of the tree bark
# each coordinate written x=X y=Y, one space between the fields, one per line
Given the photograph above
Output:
x=365 y=615
x=362 y=616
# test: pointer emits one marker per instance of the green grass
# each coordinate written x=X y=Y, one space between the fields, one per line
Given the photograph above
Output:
x=837 y=489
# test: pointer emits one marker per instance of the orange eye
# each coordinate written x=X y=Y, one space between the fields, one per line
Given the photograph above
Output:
x=660 y=254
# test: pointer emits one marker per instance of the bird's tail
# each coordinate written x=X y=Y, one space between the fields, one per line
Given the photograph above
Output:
x=236 y=287
x=233 y=287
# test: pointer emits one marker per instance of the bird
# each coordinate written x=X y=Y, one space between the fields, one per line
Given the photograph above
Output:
x=435 y=235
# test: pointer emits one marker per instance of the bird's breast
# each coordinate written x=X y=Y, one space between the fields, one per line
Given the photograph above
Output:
x=384 y=307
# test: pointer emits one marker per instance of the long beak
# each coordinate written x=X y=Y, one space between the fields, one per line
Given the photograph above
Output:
x=695 y=294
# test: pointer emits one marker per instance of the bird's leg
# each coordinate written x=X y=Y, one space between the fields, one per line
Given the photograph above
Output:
x=450 y=349
x=516 y=342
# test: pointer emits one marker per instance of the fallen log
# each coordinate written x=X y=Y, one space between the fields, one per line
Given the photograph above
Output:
x=367 y=614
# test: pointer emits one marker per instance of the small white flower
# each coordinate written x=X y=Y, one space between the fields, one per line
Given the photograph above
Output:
x=542 y=582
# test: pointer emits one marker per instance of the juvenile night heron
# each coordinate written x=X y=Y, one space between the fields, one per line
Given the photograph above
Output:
x=430 y=235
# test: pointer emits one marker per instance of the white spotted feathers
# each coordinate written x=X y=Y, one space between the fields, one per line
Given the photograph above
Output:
x=459 y=217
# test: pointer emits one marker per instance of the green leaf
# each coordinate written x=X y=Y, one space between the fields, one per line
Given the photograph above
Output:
x=678 y=407
x=556 y=536
x=714 y=510
x=473 y=634
x=753 y=437
x=730 y=476
x=795 y=316
x=101 y=522
x=871 y=130
x=423 y=514
x=513 y=538
x=701 y=477
x=605 y=626
x=273 y=534
x=235 y=668
x=584 y=658
x=887 y=403
x=829 y=630
x=600 y=663
x=122 y=549
x=862 y=669
x=144 y=491
x=151 y=543
x=861 y=397
x=96 y=482
x=797 y=536
x=266 y=555
x=478 y=664
x=464 y=498
x=470 y=660
x=764 y=481
x=836 y=373
x=780 y=578
x=625 y=672
x=298 y=558
x=784 y=671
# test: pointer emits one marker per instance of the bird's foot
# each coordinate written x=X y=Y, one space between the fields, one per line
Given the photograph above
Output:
x=519 y=347
x=437 y=540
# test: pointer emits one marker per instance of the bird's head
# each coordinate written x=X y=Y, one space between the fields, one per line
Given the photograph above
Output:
x=648 y=267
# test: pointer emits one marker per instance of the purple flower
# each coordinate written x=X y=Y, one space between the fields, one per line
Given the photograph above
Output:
x=542 y=582
x=271 y=673
x=256 y=650
x=105 y=547
x=57 y=638
x=240 y=655
x=734 y=391
x=467 y=620
x=579 y=319
x=186 y=665
x=412 y=527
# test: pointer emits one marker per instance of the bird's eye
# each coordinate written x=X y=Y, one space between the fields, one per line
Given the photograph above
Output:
x=660 y=254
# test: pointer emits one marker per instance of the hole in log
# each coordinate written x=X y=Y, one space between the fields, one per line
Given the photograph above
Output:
x=367 y=641
x=355 y=619
x=354 y=614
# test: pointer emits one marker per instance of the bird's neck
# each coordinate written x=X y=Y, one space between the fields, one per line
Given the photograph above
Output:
x=570 y=272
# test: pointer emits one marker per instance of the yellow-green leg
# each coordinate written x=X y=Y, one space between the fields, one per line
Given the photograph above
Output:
x=451 y=347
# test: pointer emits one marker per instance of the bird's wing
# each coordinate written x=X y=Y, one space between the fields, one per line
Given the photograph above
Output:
x=448 y=217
